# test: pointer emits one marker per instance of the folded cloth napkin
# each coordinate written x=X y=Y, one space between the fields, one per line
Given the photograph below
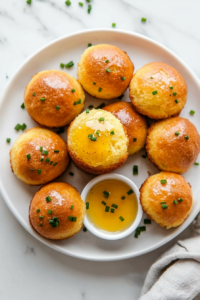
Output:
x=176 y=274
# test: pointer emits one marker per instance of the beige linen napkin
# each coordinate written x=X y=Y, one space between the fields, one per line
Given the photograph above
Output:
x=176 y=274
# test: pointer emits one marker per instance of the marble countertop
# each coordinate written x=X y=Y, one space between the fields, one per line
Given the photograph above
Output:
x=29 y=269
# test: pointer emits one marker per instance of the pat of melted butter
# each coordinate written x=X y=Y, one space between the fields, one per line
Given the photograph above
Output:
x=108 y=221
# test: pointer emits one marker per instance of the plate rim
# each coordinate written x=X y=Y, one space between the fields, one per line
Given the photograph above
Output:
x=3 y=192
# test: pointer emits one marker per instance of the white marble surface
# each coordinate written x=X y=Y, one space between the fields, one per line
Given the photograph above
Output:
x=30 y=270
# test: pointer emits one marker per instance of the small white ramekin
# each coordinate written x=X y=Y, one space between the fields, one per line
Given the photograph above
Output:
x=112 y=235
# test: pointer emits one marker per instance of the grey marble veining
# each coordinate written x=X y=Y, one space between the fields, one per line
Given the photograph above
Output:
x=29 y=269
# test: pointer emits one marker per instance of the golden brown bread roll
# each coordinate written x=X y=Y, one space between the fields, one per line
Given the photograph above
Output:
x=105 y=71
x=97 y=142
x=135 y=124
x=57 y=211
x=168 y=204
x=53 y=98
x=173 y=144
x=38 y=156
x=158 y=91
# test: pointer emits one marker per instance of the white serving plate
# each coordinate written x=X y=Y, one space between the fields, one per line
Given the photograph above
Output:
x=17 y=195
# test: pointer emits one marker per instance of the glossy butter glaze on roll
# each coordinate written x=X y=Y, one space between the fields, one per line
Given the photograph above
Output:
x=97 y=142
x=53 y=98
x=173 y=144
x=105 y=71
x=166 y=198
x=136 y=125
x=38 y=156
x=57 y=211
x=158 y=91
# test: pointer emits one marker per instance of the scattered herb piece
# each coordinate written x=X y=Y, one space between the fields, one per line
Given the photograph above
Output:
x=51 y=162
x=73 y=90
x=18 y=127
x=47 y=159
x=134 y=139
x=8 y=140
x=28 y=156
x=106 y=61
x=89 y=8
x=34 y=94
x=112 y=132
x=37 y=210
x=147 y=221
x=103 y=202
x=62 y=65
x=100 y=106
x=41 y=159
x=175 y=202
x=123 y=197
x=108 y=70
x=163 y=202
x=121 y=218
x=45 y=152
x=69 y=218
x=151 y=77
x=114 y=205
x=130 y=192
x=101 y=119
x=106 y=194
x=54 y=222
x=42 y=99
x=87 y=205
x=41 y=217
x=68 y=2
x=143 y=19
x=71 y=207
x=32 y=169
x=23 y=126
x=176 y=101
x=77 y=102
x=49 y=211
x=70 y=64
x=123 y=78
x=41 y=148
x=97 y=132
x=177 y=133
x=155 y=92
x=164 y=206
x=87 y=111
x=74 y=219
x=174 y=93
x=163 y=181
x=56 y=151
x=23 y=105
x=55 y=164
x=196 y=163
x=48 y=199
x=57 y=107
x=39 y=171
x=141 y=228
x=180 y=199
x=107 y=208
x=89 y=45
x=100 y=89
x=80 y=3
x=113 y=25
x=135 y=170
x=112 y=210
x=192 y=112
x=94 y=83
x=171 y=87
x=28 y=1
x=187 y=137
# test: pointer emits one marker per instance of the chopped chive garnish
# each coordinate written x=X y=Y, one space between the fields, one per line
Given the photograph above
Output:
x=90 y=106
x=121 y=218
x=123 y=197
x=143 y=19
x=163 y=181
x=163 y=202
x=155 y=92
x=97 y=132
x=164 y=206
x=174 y=93
x=77 y=102
x=112 y=132
x=62 y=65
x=113 y=25
x=68 y=2
x=41 y=159
x=37 y=210
x=90 y=136
x=34 y=94
x=18 y=127
x=69 y=65
x=57 y=107
x=136 y=235
x=196 y=163
x=89 y=8
x=114 y=205
x=47 y=159
x=151 y=77
x=192 y=112
x=23 y=105
x=87 y=205
x=100 y=89
x=176 y=101
x=100 y=106
x=135 y=170
x=106 y=194
x=40 y=224
x=112 y=210
x=108 y=70
x=32 y=169
x=28 y=1
x=87 y=111
x=175 y=202
x=80 y=3
x=45 y=152
x=74 y=219
x=103 y=202
x=56 y=151
x=106 y=61
x=71 y=173
x=84 y=229
x=49 y=211
x=48 y=199
x=180 y=199
x=147 y=221
x=54 y=222
x=171 y=87
x=71 y=207
x=39 y=171
x=8 y=140
x=28 y=156
x=89 y=45
x=73 y=90
x=69 y=218
x=55 y=164
x=187 y=137
x=94 y=83
x=134 y=139
x=41 y=217
x=51 y=162
x=141 y=228
x=130 y=192
x=93 y=139
x=101 y=119
x=123 y=78
x=42 y=99
x=177 y=133
x=23 y=126
x=41 y=148
x=107 y=208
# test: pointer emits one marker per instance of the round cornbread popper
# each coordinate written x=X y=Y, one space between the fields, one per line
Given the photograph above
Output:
x=173 y=145
x=158 y=91
x=57 y=211
x=54 y=98
x=97 y=142
x=166 y=198
x=38 y=156
x=105 y=71
x=135 y=124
